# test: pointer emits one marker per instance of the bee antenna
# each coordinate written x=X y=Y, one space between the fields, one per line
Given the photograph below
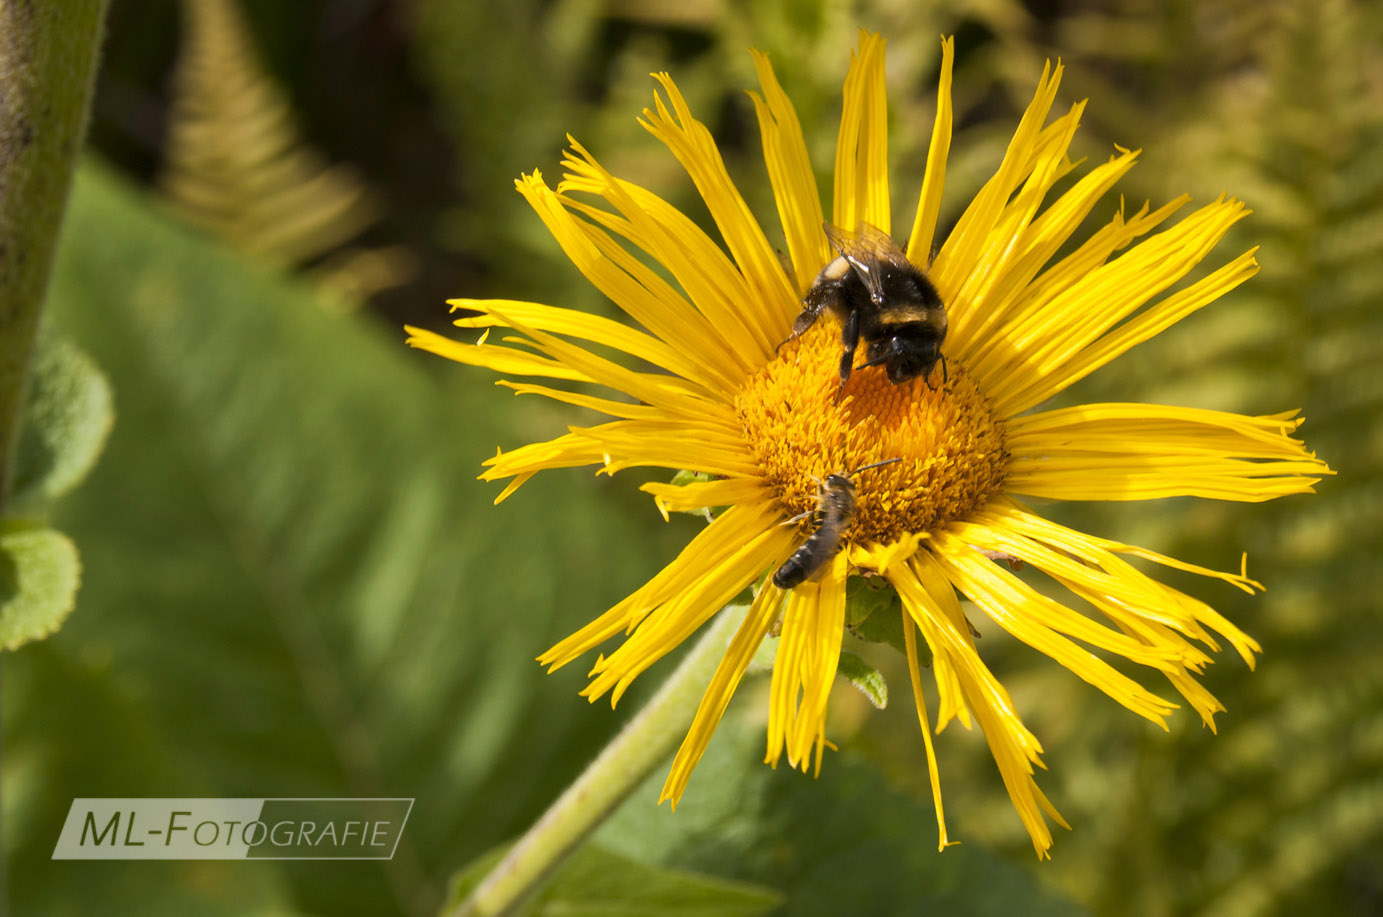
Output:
x=851 y=474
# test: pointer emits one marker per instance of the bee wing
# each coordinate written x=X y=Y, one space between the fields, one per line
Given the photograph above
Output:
x=864 y=249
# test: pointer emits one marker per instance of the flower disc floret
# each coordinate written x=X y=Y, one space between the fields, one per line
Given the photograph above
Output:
x=802 y=426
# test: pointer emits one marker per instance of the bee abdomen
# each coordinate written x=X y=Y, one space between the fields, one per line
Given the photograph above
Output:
x=806 y=560
x=793 y=572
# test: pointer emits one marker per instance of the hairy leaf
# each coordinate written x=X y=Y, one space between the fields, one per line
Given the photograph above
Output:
x=39 y=574
x=869 y=680
x=68 y=415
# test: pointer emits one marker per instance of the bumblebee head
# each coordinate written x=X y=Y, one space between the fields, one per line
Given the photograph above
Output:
x=906 y=354
x=909 y=364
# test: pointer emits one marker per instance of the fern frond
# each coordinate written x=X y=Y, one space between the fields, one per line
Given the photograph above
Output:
x=1279 y=103
x=236 y=163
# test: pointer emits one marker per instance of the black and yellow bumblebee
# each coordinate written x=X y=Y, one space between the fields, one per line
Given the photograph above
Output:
x=883 y=299
x=835 y=507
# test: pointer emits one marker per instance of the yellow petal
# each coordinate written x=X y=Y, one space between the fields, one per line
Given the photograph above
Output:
x=1148 y=451
x=1040 y=622
x=569 y=451
x=974 y=312
x=934 y=178
x=949 y=642
x=1010 y=297
x=1148 y=612
x=880 y=557
x=708 y=494
x=712 y=282
x=1017 y=393
x=790 y=173
x=961 y=252
x=667 y=392
x=1179 y=611
x=604 y=405
x=920 y=701
x=804 y=667
x=594 y=328
x=636 y=289
x=490 y=356
x=713 y=545
x=692 y=144
x=1016 y=751
x=665 y=627
x=681 y=445
x=722 y=687
x=861 y=187
x=1105 y=296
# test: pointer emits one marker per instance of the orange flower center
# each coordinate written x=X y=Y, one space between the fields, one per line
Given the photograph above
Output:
x=951 y=447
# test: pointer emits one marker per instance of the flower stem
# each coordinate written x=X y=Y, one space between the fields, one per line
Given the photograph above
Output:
x=643 y=743
x=48 y=54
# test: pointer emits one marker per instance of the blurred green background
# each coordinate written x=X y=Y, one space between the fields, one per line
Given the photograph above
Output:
x=293 y=585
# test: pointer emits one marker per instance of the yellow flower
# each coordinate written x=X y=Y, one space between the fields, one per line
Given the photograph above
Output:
x=707 y=388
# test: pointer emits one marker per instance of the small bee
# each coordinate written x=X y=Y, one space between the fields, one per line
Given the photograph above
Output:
x=835 y=507
x=883 y=299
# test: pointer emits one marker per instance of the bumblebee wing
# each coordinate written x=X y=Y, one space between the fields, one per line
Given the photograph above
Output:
x=864 y=249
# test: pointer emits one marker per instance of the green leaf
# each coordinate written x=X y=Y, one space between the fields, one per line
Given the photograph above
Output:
x=39 y=575
x=68 y=414
x=864 y=676
x=595 y=882
x=683 y=477
x=845 y=843
x=296 y=584
x=873 y=611
x=865 y=595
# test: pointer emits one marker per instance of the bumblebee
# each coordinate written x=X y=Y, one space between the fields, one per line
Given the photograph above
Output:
x=883 y=299
x=835 y=507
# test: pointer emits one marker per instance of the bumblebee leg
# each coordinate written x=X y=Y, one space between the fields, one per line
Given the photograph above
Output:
x=850 y=337
x=945 y=378
x=818 y=298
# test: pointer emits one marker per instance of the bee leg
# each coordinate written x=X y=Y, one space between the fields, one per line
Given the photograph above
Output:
x=945 y=378
x=813 y=304
x=850 y=337
x=796 y=519
x=804 y=321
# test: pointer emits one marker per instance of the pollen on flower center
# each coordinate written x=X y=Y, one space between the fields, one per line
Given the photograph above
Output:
x=951 y=446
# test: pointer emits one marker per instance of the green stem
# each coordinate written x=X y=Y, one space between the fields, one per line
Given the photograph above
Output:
x=48 y=54
x=641 y=746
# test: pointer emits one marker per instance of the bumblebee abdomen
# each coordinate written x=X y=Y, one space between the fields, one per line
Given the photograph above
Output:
x=919 y=314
